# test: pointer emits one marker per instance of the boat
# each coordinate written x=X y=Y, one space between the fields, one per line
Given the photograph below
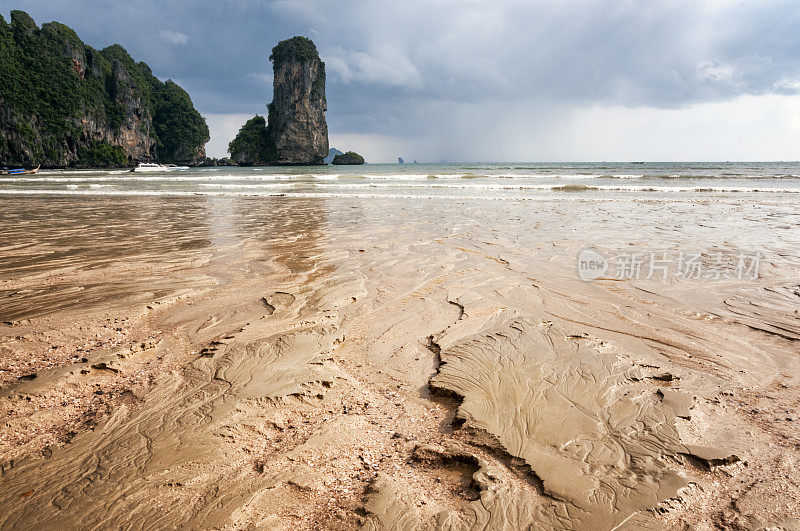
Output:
x=21 y=171
x=153 y=167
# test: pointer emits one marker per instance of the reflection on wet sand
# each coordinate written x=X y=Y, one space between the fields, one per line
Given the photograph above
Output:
x=58 y=249
x=278 y=362
x=55 y=251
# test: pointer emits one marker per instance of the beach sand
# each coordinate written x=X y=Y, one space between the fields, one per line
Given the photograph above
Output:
x=285 y=363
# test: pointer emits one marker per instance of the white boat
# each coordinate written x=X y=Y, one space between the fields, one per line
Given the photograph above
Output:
x=152 y=166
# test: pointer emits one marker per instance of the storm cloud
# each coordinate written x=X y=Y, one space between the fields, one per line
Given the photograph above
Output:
x=472 y=79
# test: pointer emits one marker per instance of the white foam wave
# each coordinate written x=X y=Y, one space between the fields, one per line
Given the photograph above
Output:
x=398 y=176
x=307 y=195
x=577 y=187
x=478 y=187
x=151 y=178
x=226 y=186
x=567 y=176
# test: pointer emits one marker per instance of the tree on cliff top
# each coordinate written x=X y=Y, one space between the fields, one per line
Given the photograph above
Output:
x=301 y=48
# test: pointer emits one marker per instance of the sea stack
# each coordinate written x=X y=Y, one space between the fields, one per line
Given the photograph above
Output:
x=297 y=113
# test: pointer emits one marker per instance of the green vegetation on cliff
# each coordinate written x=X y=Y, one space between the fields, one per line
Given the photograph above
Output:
x=63 y=103
x=349 y=158
x=102 y=155
x=301 y=48
x=252 y=145
x=179 y=127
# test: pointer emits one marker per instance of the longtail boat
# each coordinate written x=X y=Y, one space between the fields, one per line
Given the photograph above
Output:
x=21 y=171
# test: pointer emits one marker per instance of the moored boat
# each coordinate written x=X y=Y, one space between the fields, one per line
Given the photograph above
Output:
x=20 y=171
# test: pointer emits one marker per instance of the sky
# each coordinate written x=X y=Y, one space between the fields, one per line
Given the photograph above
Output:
x=485 y=80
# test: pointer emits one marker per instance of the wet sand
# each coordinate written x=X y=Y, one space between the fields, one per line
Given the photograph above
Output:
x=289 y=363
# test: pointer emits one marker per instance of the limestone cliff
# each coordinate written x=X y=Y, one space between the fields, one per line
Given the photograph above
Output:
x=62 y=103
x=297 y=113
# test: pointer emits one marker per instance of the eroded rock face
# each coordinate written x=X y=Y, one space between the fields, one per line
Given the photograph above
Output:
x=297 y=113
x=134 y=133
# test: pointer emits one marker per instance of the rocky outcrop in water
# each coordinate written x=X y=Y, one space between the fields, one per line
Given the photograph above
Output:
x=295 y=132
x=211 y=162
x=63 y=103
x=297 y=112
x=348 y=159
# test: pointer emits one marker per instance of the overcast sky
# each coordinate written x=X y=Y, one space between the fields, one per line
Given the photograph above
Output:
x=485 y=80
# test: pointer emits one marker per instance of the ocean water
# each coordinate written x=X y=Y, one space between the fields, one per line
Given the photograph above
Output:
x=779 y=181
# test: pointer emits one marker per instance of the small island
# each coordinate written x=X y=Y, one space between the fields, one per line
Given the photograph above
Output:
x=351 y=158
